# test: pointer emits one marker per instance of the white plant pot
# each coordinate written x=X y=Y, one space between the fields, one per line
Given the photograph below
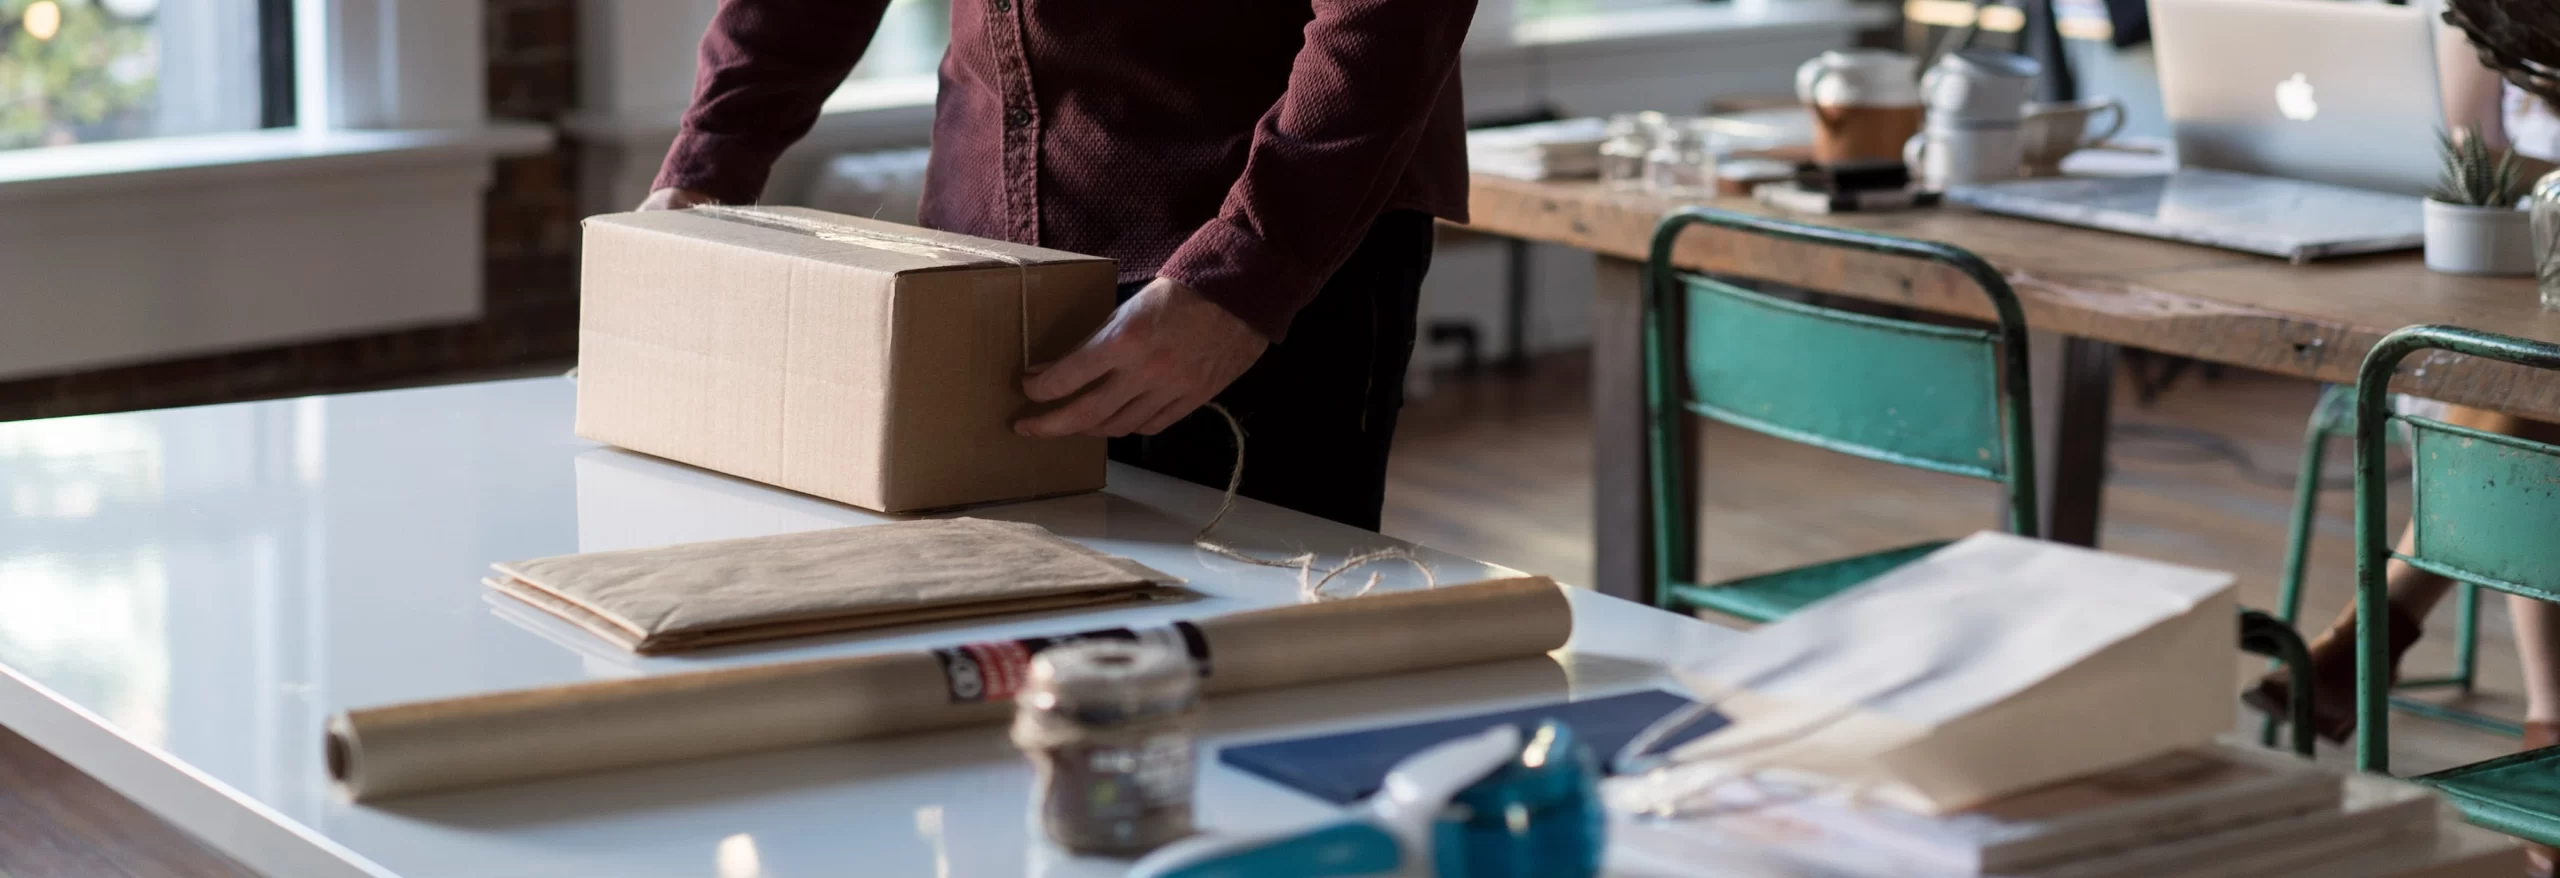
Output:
x=2479 y=240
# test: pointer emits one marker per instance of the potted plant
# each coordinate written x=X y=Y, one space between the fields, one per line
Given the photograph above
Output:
x=2473 y=225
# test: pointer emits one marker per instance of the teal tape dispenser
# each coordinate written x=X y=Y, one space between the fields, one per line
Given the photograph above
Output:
x=1498 y=804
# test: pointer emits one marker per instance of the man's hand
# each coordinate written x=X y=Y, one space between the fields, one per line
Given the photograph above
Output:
x=672 y=198
x=1166 y=352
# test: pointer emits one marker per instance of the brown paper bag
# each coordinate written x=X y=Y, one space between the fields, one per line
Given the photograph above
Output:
x=734 y=591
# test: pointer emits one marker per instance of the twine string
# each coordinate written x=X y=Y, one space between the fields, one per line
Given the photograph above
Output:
x=1310 y=586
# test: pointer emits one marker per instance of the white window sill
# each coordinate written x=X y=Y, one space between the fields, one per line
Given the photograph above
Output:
x=1683 y=25
x=252 y=156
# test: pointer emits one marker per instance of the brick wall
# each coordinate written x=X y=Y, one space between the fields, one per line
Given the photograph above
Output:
x=530 y=273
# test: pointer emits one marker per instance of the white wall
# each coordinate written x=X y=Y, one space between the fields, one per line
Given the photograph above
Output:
x=364 y=218
x=100 y=280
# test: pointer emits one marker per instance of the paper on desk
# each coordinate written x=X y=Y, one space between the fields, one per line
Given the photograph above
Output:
x=1993 y=665
x=733 y=591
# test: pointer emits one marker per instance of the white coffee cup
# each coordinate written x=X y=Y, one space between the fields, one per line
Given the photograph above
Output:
x=1979 y=85
x=1942 y=157
x=2051 y=132
x=1858 y=78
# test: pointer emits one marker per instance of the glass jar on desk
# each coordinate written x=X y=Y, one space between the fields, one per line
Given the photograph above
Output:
x=1683 y=161
x=1622 y=155
x=2545 y=203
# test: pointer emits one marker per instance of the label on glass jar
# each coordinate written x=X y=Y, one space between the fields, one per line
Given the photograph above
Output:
x=1131 y=782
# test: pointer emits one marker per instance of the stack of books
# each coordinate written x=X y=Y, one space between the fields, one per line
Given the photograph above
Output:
x=2208 y=813
x=1563 y=149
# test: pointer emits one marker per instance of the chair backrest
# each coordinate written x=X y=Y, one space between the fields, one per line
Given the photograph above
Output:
x=1940 y=398
x=2485 y=507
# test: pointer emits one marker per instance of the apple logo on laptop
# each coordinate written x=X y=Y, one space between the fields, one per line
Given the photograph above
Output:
x=2294 y=100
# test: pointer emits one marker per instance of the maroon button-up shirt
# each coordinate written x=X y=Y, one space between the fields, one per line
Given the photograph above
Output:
x=1241 y=147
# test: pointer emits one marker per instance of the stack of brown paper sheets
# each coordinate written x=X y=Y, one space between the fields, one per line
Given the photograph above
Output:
x=735 y=591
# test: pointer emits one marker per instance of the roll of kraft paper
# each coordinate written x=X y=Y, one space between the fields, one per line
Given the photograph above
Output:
x=504 y=737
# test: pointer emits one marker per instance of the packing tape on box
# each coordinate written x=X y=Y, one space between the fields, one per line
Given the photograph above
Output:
x=503 y=737
x=912 y=245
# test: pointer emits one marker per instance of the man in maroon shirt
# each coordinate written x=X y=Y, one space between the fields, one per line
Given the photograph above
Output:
x=1264 y=172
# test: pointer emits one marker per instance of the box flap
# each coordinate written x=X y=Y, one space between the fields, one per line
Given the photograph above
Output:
x=837 y=239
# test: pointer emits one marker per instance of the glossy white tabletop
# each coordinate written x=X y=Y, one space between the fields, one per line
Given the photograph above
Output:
x=185 y=595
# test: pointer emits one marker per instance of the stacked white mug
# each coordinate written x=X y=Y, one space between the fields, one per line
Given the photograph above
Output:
x=1971 y=132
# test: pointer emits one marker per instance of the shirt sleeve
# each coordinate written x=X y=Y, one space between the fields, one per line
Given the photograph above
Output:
x=765 y=68
x=1326 y=157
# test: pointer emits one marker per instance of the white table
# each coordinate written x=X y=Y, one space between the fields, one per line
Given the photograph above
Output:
x=185 y=595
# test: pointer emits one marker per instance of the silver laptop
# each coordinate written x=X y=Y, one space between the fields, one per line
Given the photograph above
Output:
x=2305 y=129
x=2319 y=90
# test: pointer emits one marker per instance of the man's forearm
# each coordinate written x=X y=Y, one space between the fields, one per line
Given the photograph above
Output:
x=1325 y=159
x=765 y=68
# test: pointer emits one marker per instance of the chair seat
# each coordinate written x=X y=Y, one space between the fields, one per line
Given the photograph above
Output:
x=2518 y=795
x=1770 y=596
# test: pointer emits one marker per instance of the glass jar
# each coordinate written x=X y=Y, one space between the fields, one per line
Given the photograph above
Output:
x=1683 y=161
x=1622 y=155
x=2545 y=202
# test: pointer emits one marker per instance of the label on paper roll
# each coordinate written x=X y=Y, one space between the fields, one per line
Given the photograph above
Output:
x=995 y=670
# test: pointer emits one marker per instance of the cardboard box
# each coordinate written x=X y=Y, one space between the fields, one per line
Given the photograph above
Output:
x=865 y=362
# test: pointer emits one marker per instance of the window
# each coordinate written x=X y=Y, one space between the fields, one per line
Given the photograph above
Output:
x=910 y=41
x=1536 y=10
x=86 y=71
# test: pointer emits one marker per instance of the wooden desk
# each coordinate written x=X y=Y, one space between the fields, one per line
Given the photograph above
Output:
x=2098 y=288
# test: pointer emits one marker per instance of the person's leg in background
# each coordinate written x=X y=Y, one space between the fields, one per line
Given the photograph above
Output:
x=1319 y=409
x=2413 y=594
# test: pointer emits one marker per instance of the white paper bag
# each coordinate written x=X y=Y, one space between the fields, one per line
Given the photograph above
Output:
x=1993 y=665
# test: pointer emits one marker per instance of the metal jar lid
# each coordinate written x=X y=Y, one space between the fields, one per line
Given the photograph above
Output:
x=1103 y=682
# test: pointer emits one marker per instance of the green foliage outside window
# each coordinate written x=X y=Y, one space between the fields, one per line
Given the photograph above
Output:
x=92 y=78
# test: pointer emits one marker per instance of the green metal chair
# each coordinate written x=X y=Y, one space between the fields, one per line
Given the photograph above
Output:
x=2334 y=416
x=2485 y=509
x=1936 y=398
x=1931 y=397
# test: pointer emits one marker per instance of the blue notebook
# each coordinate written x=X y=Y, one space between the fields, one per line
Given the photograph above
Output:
x=1347 y=767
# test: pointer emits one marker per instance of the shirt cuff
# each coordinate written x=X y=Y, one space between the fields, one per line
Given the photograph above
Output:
x=730 y=168
x=1244 y=274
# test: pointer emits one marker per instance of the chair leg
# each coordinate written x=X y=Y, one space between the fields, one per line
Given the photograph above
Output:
x=2297 y=549
x=2306 y=507
x=2264 y=635
x=2466 y=641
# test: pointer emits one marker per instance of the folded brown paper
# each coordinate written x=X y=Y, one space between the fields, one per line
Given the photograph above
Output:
x=582 y=727
x=732 y=591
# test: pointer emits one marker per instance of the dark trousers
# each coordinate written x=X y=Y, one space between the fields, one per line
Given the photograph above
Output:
x=1319 y=410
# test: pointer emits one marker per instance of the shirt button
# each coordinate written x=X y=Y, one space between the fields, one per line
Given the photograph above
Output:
x=1017 y=117
x=1004 y=5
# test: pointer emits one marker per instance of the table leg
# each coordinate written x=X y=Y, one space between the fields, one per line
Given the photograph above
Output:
x=1515 y=305
x=2076 y=471
x=1622 y=522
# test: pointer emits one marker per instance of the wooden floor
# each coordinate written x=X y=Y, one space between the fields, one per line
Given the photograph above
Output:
x=1498 y=467
x=57 y=823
